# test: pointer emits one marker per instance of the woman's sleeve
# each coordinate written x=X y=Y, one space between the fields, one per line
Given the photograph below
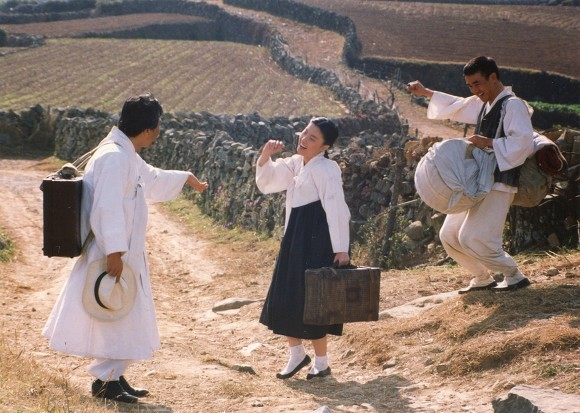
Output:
x=275 y=176
x=328 y=182
x=512 y=149
x=161 y=185
x=444 y=106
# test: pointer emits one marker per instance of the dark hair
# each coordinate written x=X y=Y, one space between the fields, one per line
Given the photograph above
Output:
x=140 y=113
x=481 y=64
x=328 y=129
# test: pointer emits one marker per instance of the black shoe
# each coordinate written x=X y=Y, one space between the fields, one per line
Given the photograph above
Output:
x=303 y=363
x=132 y=391
x=323 y=373
x=520 y=284
x=111 y=390
x=481 y=288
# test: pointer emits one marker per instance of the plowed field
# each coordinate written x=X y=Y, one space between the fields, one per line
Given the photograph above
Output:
x=532 y=37
x=63 y=28
x=217 y=77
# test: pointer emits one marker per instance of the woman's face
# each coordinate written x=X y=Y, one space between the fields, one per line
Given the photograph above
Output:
x=311 y=142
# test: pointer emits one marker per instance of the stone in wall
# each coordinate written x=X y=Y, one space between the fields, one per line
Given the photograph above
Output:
x=29 y=128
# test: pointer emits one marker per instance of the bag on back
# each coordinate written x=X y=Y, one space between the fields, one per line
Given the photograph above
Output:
x=61 y=210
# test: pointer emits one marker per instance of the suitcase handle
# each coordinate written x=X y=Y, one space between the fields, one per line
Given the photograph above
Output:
x=332 y=270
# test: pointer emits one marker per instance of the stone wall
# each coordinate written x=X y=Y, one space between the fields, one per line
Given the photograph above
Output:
x=203 y=30
x=31 y=128
x=314 y=16
x=528 y=84
x=223 y=149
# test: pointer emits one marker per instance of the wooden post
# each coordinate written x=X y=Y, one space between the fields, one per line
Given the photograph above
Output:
x=392 y=214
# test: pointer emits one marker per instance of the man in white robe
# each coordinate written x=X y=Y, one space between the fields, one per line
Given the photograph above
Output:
x=116 y=184
x=474 y=238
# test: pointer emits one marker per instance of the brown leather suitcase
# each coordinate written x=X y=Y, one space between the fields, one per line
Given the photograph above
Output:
x=62 y=216
x=341 y=295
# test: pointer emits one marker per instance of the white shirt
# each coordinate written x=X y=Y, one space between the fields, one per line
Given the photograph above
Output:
x=320 y=179
x=510 y=150
x=116 y=184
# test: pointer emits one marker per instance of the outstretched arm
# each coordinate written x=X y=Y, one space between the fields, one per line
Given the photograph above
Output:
x=417 y=89
x=196 y=184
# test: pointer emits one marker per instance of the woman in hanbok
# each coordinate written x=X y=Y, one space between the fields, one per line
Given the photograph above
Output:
x=316 y=234
x=116 y=183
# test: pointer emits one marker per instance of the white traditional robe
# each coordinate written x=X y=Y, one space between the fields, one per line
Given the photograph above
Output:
x=116 y=184
x=473 y=238
x=320 y=179
x=510 y=150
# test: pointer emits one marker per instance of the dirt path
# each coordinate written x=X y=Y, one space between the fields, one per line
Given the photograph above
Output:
x=195 y=369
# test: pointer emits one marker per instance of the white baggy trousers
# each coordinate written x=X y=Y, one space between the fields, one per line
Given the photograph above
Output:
x=474 y=238
x=108 y=369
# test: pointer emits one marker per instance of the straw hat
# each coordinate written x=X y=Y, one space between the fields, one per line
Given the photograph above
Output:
x=105 y=299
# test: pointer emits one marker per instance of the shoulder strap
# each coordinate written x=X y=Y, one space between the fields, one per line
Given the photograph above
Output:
x=82 y=161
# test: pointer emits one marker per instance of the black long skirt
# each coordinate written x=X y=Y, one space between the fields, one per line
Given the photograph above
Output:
x=306 y=244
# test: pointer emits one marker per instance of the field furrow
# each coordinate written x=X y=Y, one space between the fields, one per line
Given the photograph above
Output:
x=63 y=28
x=217 y=77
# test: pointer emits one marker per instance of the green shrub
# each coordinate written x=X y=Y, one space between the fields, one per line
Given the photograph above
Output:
x=6 y=248
x=3 y=38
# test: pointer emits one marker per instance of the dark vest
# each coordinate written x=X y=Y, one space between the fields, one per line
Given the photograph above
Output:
x=487 y=126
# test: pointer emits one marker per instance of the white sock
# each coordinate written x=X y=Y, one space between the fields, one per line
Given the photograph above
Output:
x=297 y=354
x=320 y=363
x=481 y=281
x=510 y=279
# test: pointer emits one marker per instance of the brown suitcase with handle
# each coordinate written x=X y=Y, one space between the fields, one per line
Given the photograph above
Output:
x=341 y=295
x=61 y=208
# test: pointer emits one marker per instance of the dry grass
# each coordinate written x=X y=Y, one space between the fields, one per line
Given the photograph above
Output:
x=532 y=335
x=27 y=386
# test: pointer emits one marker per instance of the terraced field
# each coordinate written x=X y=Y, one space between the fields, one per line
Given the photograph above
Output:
x=217 y=77
x=532 y=37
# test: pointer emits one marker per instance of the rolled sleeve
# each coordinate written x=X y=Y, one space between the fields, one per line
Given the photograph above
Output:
x=445 y=106
x=274 y=176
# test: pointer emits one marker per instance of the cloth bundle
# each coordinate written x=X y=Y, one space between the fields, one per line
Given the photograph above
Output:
x=454 y=176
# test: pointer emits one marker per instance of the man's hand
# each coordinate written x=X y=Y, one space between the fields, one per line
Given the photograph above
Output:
x=115 y=265
x=195 y=183
x=481 y=142
x=417 y=89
